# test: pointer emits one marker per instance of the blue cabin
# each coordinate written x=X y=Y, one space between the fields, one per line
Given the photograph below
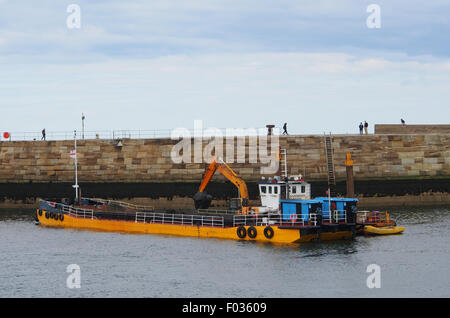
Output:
x=337 y=204
x=302 y=208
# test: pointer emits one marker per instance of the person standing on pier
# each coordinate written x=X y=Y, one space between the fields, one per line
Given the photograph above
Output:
x=43 y=134
x=361 y=126
x=285 y=129
x=366 y=127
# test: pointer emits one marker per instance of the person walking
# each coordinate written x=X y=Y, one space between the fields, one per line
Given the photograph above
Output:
x=43 y=134
x=361 y=126
x=366 y=127
x=285 y=129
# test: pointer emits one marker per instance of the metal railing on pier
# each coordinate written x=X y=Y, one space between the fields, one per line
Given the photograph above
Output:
x=124 y=134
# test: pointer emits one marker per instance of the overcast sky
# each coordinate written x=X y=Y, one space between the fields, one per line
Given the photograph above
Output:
x=145 y=64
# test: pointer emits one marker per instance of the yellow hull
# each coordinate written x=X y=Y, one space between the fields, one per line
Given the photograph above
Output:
x=385 y=230
x=284 y=236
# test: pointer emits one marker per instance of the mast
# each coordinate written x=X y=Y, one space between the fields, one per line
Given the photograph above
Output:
x=76 y=166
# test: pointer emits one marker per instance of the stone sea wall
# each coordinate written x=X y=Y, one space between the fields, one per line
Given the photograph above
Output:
x=40 y=167
x=149 y=160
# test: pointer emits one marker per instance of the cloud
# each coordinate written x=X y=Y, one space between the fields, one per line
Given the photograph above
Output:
x=141 y=28
x=313 y=92
x=161 y=64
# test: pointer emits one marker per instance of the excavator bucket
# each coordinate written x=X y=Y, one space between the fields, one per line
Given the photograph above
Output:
x=202 y=200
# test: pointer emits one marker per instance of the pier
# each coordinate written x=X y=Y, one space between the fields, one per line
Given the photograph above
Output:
x=415 y=166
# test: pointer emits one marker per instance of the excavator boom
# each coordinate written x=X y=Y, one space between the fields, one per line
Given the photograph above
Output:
x=203 y=200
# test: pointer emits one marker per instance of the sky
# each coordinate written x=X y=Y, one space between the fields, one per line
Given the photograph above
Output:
x=146 y=64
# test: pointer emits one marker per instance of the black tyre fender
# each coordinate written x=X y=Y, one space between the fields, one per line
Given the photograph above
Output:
x=47 y=214
x=61 y=217
x=241 y=232
x=40 y=212
x=55 y=216
x=268 y=232
x=251 y=231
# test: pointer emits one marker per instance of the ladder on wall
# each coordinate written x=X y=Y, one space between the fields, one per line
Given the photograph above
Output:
x=283 y=164
x=330 y=164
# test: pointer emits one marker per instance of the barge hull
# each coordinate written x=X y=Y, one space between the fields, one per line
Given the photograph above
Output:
x=280 y=235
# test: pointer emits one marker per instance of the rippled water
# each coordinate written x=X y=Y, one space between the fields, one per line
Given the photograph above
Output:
x=33 y=262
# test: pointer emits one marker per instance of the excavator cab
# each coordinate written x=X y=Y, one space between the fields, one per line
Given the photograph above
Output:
x=237 y=204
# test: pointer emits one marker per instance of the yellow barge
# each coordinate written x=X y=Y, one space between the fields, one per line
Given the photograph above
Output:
x=97 y=215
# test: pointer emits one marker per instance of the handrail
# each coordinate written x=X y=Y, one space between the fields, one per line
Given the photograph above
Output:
x=335 y=216
x=119 y=134
x=274 y=219
x=179 y=219
x=123 y=204
x=216 y=211
x=372 y=217
x=78 y=212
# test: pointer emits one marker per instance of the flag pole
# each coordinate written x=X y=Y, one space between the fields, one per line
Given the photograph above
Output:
x=76 y=166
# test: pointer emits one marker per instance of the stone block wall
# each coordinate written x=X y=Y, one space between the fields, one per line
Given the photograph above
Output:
x=149 y=160
x=412 y=129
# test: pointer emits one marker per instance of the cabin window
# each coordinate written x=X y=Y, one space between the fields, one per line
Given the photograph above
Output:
x=275 y=190
x=303 y=189
x=270 y=189
x=263 y=189
x=294 y=189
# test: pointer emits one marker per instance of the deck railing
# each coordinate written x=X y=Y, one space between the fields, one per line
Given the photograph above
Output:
x=381 y=217
x=275 y=219
x=125 y=205
x=76 y=212
x=216 y=211
x=336 y=216
x=179 y=219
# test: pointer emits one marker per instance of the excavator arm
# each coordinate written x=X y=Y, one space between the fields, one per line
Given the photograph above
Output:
x=202 y=200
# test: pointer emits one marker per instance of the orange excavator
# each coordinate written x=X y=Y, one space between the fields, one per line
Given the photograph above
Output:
x=202 y=200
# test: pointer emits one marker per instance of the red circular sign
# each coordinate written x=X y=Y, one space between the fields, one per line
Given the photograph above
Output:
x=6 y=135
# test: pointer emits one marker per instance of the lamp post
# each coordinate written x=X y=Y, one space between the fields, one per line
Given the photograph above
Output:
x=74 y=155
x=82 y=125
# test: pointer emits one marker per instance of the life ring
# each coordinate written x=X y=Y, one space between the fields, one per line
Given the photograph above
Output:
x=252 y=232
x=241 y=232
x=293 y=218
x=61 y=217
x=268 y=232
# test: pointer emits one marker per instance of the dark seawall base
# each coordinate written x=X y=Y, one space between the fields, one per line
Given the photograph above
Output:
x=220 y=191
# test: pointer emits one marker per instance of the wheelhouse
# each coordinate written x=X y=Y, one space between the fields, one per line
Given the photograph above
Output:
x=273 y=190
